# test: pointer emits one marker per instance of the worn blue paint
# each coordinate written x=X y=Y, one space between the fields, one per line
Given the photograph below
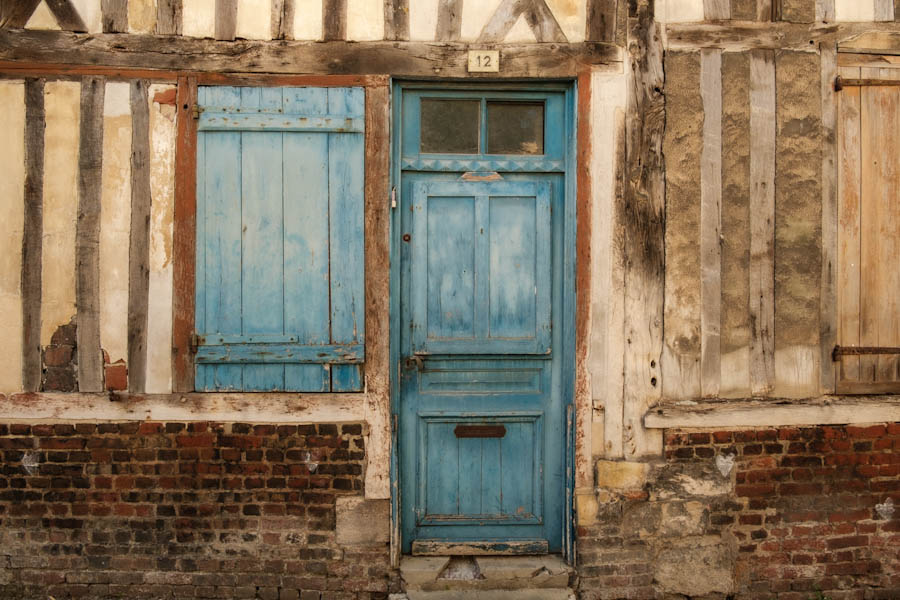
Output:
x=280 y=288
x=478 y=333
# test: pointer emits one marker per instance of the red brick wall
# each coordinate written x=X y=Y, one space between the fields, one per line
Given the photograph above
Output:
x=801 y=512
x=174 y=510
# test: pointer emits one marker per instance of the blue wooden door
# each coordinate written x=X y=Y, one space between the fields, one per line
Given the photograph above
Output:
x=482 y=428
x=280 y=300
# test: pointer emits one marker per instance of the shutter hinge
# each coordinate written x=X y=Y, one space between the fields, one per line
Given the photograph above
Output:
x=394 y=423
x=195 y=111
x=393 y=197
x=195 y=342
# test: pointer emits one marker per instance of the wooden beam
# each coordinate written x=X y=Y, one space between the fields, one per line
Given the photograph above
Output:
x=601 y=20
x=711 y=224
x=760 y=413
x=168 y=17
x=334 y=20
x=538 y=16
x=87 y=236
x=184 y=236
x=115 y=16
x=411 y=59
x=283 y=19
x=884 y=10
x=449 y=20
x=762 y=226
x=66 y=15
x=139 y=241
x=716 y=10
x=16 y=14
x=828 y=302
x=824 y=11
x=396 y=20
x=33 y=234
x=226 y=19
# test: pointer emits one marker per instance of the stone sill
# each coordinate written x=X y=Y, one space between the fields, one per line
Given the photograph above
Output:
x=825 y=410
x=223 y=407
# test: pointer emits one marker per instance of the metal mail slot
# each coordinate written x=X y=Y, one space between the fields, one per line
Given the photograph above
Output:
x=480 y=431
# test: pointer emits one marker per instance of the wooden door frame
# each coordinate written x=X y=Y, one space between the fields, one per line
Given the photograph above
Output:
x=574 y=306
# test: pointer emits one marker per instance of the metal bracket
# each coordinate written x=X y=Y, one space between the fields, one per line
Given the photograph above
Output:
x=195 y=343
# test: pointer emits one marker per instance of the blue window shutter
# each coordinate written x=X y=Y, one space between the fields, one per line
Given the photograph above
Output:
x=280 y=263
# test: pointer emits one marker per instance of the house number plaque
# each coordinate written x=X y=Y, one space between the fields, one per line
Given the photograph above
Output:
x=484 y=61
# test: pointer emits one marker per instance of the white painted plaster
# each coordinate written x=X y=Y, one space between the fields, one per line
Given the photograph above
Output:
x=475 y=15
x=42 y=18
x=520 y=33
x=796 y=372
x=162 y=188
x=423 y=19
x=115 y=220
x=735 y=374
x=679 y=11
x=12 y=213
x=854 y=10
x=572 y=16
x=90 y=13
x=199 y=18
x=62 y=107
x=308 y=19
x=254 y=19
x=365 y=20
x=142 y=16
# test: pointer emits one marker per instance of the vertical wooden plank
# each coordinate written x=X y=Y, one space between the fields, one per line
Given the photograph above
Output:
x=449 y=21
x=334 y=19
x=828 y=302
x=711 y=224
x=765 y=10
x=884 y=10
x=491 y=476
x=12 y=215
x=849 y=190
x=825 y=11
x=87 y=236
x=472 y=481
x=162 y=206
x=601 y=20
x=115 y=16
x=283 y=19
x=442 y=469
x=584 y=398
x=33 y=233
x=644 y=229
x=716 y=10
x=184 y=242
x=762 y=226
x=517 y=476
x=226 y=19
x=168 y=17
x=735 y=371
x=346 y=175
x=139 y=244
x=396 y=20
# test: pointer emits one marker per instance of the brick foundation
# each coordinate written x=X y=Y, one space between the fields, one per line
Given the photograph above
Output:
x=174 y=510
x=802 y=513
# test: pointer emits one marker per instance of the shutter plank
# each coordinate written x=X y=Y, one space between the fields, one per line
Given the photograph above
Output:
x=306 y=307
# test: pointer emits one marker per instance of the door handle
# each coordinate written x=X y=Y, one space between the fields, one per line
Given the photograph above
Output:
x=414 y=362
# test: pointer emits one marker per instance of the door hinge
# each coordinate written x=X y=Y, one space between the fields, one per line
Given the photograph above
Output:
x=195 y=342
x=195 y=111
x=394 y=423
x=393 y=197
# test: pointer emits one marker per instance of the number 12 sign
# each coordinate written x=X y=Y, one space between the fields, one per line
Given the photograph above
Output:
x=484 y=61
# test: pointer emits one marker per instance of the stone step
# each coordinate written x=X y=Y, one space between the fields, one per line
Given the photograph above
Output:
x=474 y=576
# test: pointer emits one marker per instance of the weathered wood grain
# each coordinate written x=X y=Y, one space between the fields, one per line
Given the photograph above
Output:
x=711 y=224
x=184 y=236
x=735 y=36
x=66 y=15
x=16 y=14
x=87 y=236
x=583 y=261
x=762 y=226
x=828 y=302
x=33 y=234
x=283 y=19
x=743 y=10
x=601 y=20
x=396 y=20
x=168 y=17
x=115 y=16
x=226 y=19
x=795 y=11
x=449 y=21
x=334 y=20
x=538 y=16
x=139 y=242
x=716 y=10
x=644 y=228
x=884 y=10
x=338 y=58
x=824 y=11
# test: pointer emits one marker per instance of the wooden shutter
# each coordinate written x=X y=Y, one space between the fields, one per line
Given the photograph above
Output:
x=869 y=238
x=280 y=296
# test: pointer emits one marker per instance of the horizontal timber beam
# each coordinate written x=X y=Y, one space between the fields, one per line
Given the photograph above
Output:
x=828 y=410
x=748 y=35
x=171 y=55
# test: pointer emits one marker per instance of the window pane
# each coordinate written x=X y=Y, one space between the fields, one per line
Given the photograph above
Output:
x=515 y=127
x=449 y=126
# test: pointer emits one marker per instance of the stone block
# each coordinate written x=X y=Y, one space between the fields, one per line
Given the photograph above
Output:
x=696 y=566
x=586 y=508
x=620 y=475
x=361 y=521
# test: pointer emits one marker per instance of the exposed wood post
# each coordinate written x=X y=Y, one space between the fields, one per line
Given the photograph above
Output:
x=449 y=20
x=33 y=234
x=334 y=20
x=711 y=224
x=168 y=17
x=15 y=14
x=825 y=11
x=66 y=15
x=716 y=10
x=884 y=10
x=87 y=236
x=644 y=227
x=226 y=19
x=828 y=299
x=115 y=16
x=601 y=20
x=765 y=10
x=762 y=222
x=396 y=20
x=184 y=239
x=139 y=242
x=282 y=19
